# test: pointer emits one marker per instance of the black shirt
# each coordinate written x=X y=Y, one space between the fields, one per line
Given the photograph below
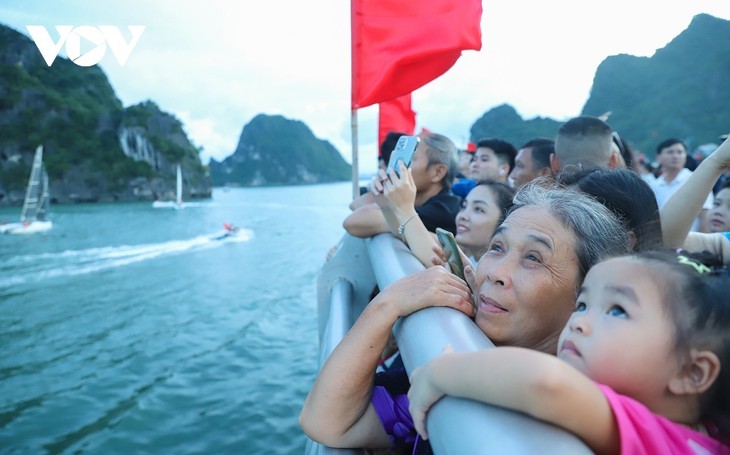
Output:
x=440 y=211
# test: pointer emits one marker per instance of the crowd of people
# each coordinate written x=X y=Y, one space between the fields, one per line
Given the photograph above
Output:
x=604 y=286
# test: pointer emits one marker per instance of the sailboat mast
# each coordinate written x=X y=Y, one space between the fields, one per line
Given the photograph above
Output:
x=31 y=193
x=179 y=185
x=45 y=199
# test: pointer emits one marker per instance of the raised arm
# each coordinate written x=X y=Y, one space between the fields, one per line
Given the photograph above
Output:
x=398 y=200
x=337 y=411
x=686 y=203
x=525 y=380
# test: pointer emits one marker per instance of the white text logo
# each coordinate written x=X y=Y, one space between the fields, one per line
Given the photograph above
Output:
x=97 y=38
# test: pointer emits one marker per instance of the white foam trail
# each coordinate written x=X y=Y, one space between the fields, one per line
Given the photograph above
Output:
x=39 y=267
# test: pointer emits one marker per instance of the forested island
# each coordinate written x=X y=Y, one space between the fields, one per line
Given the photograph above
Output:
x=97 y=150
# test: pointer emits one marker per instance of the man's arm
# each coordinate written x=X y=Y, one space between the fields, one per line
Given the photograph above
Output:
x=361 y=200
x=366 y=221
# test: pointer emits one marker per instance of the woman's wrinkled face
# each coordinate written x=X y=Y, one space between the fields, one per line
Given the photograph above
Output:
x=527 y=281
x=477 y=219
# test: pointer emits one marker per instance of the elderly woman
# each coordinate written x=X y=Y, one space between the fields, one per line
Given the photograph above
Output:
x=527 y=283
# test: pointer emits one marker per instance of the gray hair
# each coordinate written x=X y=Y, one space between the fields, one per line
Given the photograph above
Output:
x=598 y=233
x=440 y=150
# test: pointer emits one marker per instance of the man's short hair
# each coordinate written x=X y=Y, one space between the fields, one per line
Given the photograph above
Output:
x=542 y=148
x=584 y=141
x=668 y=143
x=503 y=150
x=440 y=150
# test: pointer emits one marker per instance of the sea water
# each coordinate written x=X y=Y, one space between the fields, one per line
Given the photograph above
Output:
x=131 y=329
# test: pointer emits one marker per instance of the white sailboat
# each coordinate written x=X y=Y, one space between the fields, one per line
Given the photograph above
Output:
x=34 y=217
x=178 y=202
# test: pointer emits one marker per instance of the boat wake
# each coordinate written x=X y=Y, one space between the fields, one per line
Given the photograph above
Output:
x=38 y=267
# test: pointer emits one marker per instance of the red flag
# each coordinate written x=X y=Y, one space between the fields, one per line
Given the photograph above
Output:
x=396 y=115
x=401 y=45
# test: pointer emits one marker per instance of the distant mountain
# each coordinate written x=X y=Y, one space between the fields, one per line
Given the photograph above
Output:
x=94 y=148
x=274 y=150
x=505 y=123
x=682 y=91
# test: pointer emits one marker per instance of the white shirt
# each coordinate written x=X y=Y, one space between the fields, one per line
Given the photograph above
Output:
x=663 y=190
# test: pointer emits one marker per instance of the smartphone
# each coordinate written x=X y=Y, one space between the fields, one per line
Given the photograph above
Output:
x=448 y=242
x=403 y=151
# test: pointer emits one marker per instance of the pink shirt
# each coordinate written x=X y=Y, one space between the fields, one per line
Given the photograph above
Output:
x=643 y=432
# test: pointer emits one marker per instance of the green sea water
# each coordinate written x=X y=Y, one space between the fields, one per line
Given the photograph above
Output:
x=130 y=329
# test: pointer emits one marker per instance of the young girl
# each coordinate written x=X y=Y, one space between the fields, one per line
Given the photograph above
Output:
x=643 y=363
x=718 y=216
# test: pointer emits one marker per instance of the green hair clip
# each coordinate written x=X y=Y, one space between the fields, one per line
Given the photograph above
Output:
x=701 y=268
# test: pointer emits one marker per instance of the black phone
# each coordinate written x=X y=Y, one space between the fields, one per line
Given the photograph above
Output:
x=448 y=242
x=403 y=151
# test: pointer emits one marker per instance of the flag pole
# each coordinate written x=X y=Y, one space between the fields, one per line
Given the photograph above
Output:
x=355 y=171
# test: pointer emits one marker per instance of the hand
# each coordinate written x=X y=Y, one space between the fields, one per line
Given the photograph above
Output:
x=439 y=257
x=400 y=190
x=377 y=187
x=434 y=286
x=331 y=252
x=424 y=393
x=470 y=275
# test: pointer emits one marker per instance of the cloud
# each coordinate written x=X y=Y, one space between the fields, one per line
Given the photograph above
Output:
x=218 y=64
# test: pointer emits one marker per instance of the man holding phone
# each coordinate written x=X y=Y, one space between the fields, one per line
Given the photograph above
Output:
x=433 y=168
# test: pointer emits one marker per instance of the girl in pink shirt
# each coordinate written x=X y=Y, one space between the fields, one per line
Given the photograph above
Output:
x=643 y=363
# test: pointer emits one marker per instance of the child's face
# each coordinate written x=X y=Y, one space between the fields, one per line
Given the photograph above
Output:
x=719 y=215
x=620 y=334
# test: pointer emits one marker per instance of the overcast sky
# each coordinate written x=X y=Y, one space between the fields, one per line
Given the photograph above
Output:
x=216 y=64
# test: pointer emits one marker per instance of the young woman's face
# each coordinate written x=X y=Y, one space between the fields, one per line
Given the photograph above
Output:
x=620 y=333
x=719 y=215
x=526 y=281
x=477 y=219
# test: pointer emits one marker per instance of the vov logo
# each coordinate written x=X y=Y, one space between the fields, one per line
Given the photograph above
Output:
x=99 y=37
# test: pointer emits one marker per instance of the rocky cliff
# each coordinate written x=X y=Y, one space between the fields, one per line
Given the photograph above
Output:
x=274 y=150
x=94 y=148
x=681 y=91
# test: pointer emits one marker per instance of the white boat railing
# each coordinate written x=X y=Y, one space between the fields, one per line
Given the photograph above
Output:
x=456 y=426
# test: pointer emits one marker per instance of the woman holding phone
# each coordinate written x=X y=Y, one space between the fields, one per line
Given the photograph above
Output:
x=483 y=208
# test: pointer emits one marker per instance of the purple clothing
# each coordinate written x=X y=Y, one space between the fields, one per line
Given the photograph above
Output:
x=390 y=401
x=393 y=413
